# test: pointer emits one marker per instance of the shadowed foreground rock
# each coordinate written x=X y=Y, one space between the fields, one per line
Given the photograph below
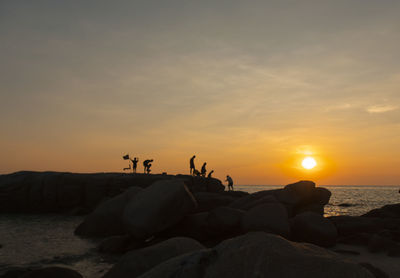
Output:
x=259 y=254
x=378 y=230
x=388 y=211
x=270 y=218
x=136 y=262
x=157 y=207
x=46 y=272
x=106 y=219
x=313 y=228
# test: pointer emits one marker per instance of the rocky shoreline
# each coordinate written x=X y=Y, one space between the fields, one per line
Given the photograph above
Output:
x=183 y=226
x=63 y=192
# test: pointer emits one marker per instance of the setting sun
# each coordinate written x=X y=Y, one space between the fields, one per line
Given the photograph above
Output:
x=309 y=163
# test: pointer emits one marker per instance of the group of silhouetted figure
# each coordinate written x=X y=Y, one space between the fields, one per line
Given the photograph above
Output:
x=146 y=164
x=203 y=172
x=193 y=171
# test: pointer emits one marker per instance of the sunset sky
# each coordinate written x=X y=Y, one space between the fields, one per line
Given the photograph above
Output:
x=251 y=87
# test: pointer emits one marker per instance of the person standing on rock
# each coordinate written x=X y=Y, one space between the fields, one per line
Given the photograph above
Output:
x=192 y=168
x=209 y=174
x=134 y=164
x=203 y=169
x=146 y=164
x=230 y=182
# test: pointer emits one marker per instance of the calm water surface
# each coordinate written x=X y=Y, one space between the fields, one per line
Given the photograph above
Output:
x=37 y=240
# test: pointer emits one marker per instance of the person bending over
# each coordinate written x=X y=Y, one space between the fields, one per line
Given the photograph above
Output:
x=230 y=182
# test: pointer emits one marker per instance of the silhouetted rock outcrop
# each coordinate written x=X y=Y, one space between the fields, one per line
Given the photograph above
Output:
x=194 y=226
x=167 y=209
x=259 y=255
x=313 y=228
x=388 y=211
x=297 y=197
x=224 y=221
x=157 y=207
x=350 y=225
x=209 y=200
x=106 y=219
x=272 y=218
x=378 y=230
x=62 y=192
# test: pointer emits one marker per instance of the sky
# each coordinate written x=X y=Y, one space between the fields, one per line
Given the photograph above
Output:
x=250 y=87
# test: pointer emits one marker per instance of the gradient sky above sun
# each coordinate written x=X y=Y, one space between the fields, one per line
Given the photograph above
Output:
x=251 y=87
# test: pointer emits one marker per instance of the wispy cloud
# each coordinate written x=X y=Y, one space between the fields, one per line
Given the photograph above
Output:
x=381 y=108
x=344 y=106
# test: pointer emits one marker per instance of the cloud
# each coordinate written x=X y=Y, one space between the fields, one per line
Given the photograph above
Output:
x=344 y=106
x=381 y=108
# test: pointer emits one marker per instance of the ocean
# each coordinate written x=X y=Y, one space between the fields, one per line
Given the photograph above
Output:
x=35 y=240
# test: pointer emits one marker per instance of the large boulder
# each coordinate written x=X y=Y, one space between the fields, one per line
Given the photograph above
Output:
x=272 y=218
x=303 y=196
x=350 y=225
x=106 y=219
x=209 y=228
x=224 y=221
x=254 y=200
x=313 y=228
x=388 y=211
x=259 y=255
x=119 y=244
x=297 y=197
x=297 y=193
x=157 y=207
x=136 y=262
x=209 y=200
x=193 y=226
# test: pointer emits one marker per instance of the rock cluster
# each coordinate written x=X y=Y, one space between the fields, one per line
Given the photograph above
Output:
x=29 y=192
x=258 y=254
x=167 y=230
x=167 y=209
x=378 y=230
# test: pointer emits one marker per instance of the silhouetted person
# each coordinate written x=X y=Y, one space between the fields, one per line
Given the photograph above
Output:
x=203 y=169
x=134 y=164
x=196 y=173
x=192 y=168
x=230 y=182
x=209 y=174
x=148 y=168
x=146 y=164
